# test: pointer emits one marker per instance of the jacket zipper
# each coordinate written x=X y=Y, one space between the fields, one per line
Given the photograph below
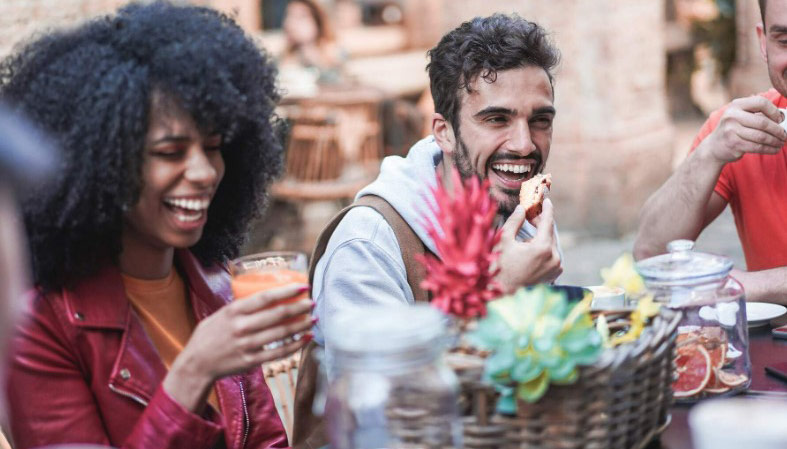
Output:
x=129 y=395
x=246 y=421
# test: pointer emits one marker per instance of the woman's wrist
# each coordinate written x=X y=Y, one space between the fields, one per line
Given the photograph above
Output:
x=188 y=383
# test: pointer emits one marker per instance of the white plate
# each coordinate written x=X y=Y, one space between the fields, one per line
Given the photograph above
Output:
x=760 y=313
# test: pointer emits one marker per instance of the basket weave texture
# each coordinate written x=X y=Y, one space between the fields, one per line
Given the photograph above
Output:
x=620 y=402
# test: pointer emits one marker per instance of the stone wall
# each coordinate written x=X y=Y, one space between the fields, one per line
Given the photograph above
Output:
x=21 y=19
x=749 y=74
x=613 y=138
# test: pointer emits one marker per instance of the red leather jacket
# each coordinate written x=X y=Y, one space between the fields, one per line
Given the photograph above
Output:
x=84 y=371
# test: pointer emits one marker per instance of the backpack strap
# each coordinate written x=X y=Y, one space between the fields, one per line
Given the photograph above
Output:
x=309 y=430
x=409 y=243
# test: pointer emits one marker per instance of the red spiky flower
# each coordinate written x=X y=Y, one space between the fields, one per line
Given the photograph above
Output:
x=462 y=279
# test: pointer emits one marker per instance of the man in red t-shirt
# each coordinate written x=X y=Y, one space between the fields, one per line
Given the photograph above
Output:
x=739 y=157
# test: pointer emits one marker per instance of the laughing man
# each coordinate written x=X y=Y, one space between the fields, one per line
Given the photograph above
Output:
x=491 y=80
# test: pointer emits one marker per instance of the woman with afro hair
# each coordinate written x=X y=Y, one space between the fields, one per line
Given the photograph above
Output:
x=165 y=117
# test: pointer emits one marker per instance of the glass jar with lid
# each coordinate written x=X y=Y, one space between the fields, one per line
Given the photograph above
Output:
x=388 y=384
x=712 y=346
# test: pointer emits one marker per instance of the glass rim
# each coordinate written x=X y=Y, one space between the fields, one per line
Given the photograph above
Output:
x=235 y=264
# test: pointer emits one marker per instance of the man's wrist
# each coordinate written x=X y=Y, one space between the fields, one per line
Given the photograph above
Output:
x=704 y=154
x=506 y=284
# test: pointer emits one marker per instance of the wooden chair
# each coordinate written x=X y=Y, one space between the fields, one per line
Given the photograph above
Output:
x=356 y=111
x=281 y=376
x=313 y=152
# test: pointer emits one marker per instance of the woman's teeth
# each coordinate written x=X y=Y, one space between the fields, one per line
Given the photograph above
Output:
x=186 y=218
x=187 y=211
x=188 y=204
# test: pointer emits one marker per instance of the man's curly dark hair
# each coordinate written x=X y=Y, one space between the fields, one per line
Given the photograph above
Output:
x=91 y=88
x=482 y=47
x=763 y=5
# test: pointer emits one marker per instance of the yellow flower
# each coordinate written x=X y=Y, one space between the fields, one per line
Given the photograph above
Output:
x=622 y=274
x=646 y=309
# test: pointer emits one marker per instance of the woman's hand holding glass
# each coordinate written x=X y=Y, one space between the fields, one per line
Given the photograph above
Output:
x=238 y=337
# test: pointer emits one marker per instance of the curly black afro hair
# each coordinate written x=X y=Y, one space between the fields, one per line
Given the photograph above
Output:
x=91 y=88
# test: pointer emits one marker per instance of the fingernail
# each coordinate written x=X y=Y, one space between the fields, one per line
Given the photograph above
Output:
x=304 y=289
x=308 y=337
x=314 y=304
x=315 y=320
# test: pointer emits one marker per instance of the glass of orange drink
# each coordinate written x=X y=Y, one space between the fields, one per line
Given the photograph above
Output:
x=268 y=270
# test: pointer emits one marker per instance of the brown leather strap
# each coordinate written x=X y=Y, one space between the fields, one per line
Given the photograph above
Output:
x=308 y=430
x=409 y=243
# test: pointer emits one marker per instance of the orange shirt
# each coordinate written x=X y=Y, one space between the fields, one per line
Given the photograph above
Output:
x=755 y=186
x=165 y=311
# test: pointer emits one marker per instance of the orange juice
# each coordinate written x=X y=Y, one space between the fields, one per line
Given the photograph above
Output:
x=245 y=284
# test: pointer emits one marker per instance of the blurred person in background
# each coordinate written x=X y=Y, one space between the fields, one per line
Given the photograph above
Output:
x=310 y=43
x=165 y=118
x=492 y=84
x=26 y=158
x=738 y=158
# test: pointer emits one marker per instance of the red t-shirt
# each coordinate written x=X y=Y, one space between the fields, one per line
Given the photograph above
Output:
x=755 y=186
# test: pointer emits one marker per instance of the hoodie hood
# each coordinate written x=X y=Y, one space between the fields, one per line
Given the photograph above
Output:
x=406 y=183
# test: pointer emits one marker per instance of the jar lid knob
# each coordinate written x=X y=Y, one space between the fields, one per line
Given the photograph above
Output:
x=680 y=246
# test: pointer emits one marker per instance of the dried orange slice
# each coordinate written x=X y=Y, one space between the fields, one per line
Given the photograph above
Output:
x=713 y=339
x=693 y=369
x=718 y=390
x=714 y=385
x=731 y=379
x=717 y=352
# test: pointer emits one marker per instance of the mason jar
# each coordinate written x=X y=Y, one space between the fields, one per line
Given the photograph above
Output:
x=712 y=346
x=388 y=384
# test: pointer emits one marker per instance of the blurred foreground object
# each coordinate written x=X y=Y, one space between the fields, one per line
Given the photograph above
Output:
x=737 y=423
x=537 y=337
x=461 y=280
x=26 y=158
x=26 y=155
x=389 y=385
x=559 y=387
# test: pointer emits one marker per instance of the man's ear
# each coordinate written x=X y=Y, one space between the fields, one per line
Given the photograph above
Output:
x=443 y=133
x=761 y=35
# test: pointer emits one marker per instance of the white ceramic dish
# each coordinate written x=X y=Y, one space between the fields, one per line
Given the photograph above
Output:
x=761 y=313
x=606 y=298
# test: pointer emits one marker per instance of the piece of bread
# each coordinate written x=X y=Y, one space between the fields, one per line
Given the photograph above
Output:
x=531 y=195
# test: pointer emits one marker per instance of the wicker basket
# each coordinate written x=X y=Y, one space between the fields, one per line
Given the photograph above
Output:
x=620 y=402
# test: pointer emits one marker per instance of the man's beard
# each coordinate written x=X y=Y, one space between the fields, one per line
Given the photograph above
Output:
x=778 y=79
x=462 y=160
x=465 y=168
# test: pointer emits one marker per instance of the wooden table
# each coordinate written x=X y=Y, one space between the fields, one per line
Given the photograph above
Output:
x=764 y=350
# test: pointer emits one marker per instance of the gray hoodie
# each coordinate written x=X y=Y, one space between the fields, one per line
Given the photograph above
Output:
x=362 y=264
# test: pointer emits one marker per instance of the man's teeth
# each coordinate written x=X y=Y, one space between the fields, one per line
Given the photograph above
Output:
x=512 y=168
x=195 y=205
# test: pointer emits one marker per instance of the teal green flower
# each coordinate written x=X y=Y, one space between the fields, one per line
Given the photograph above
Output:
x=536 y=337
